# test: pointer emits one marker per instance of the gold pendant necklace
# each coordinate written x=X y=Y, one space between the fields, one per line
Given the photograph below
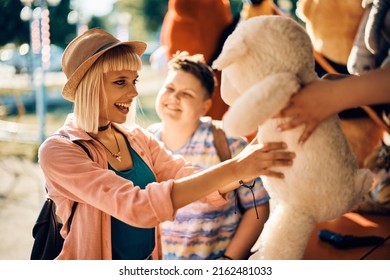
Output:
x=117 y=155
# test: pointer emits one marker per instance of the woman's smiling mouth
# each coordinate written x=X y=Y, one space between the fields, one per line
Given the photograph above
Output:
x=123 y=107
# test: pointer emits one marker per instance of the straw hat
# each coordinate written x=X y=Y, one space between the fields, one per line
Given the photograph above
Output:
x=84 y=50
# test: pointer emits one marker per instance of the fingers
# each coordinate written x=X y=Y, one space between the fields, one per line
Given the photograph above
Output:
x=275 y=151
x=295 y=122
x=286 y=112
x=292 y=123
x=261 y=158
x=306 y=133
x=277 y=159
x=271 y=158
x=270 y=173
x=271 y=146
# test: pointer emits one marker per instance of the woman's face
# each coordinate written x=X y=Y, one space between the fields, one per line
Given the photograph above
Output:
x=182 y=98
x=120 y=90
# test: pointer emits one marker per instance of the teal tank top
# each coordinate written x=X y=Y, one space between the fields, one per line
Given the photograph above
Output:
x=128 y=242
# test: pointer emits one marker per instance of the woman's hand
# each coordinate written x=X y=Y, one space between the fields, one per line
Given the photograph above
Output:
x=253 y=161
x=261 y=157
x=258 y=159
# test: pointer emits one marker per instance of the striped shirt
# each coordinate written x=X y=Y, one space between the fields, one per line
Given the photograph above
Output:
x=200 y=230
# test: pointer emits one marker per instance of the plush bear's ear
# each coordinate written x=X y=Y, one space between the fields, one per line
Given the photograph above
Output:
x=232 y=50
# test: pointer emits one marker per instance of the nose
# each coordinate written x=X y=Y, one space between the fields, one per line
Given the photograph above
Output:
x=173 y=96
x=133 y=92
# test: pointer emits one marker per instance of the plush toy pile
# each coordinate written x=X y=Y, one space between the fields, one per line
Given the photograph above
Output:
x=263 y=62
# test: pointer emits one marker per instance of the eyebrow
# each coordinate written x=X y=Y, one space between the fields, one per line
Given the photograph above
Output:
x=126 y=77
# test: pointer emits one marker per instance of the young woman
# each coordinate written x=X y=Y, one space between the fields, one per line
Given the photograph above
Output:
x=132 y=183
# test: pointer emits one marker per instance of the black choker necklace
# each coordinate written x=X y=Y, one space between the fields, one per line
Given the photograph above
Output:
x=103 y=128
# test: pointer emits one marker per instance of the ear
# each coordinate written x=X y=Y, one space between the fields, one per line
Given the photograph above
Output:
x=206 y=106
x=232 y=50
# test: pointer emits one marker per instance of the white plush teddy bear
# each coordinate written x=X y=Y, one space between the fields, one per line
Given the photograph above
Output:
x=263 y=62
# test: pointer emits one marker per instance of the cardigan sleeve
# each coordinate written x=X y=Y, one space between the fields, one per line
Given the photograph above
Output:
x=71 y=175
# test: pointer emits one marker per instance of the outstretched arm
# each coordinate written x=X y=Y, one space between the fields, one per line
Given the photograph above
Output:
x=323 y=98
x=255 y=160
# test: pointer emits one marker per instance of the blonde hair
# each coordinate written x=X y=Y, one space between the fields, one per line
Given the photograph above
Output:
x=88 y=93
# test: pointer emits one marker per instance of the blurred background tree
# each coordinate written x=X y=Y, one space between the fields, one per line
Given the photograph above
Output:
x=15 y=30
x=145 y=20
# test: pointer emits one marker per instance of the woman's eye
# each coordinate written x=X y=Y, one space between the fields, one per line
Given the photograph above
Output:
x=120 y=82
x=135 y=81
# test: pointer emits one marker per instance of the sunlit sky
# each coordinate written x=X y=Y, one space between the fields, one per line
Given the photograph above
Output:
x=97 y=8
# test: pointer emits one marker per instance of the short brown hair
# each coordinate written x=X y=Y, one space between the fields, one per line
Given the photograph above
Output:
x=195 y=65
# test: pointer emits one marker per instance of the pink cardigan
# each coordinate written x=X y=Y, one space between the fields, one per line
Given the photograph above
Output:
x=72 y=176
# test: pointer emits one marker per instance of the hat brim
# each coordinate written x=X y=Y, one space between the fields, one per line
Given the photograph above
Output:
x=69 y=89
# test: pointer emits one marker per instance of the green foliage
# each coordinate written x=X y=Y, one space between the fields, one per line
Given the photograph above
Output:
x=97 y=22
x=14 y=30
x=61 y=32
x=146 y=20
x=143 y=23
x=154 y=12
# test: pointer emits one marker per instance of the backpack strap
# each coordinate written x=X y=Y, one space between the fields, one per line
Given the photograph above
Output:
x=220 y=142
x=74 y=206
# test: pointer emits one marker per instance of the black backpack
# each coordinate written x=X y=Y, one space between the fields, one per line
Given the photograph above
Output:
x=46 y=232
x=48 y=241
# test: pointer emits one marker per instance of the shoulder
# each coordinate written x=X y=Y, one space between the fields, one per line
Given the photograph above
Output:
x=59 y=150
x=58 y=141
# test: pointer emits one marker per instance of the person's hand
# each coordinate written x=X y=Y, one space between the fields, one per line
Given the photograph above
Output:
x=262 y=157
x=257 y=160
x=309 y=107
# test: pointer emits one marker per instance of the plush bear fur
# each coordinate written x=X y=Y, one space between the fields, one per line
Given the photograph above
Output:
x=263 y=62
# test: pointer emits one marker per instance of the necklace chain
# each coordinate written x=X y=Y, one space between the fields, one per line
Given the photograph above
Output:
x=117 y=155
